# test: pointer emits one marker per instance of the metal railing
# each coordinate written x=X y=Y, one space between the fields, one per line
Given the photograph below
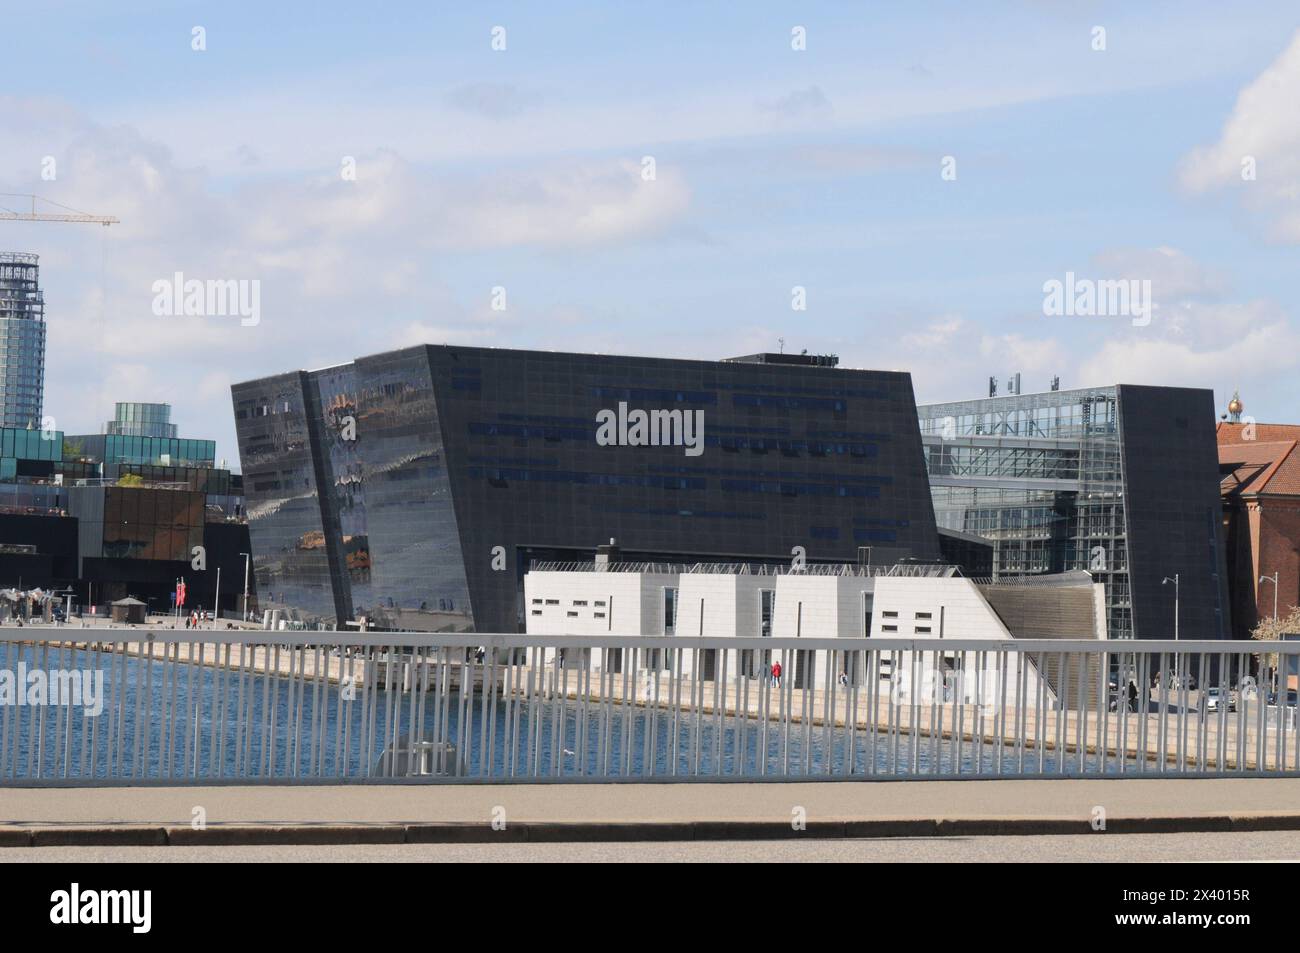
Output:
x=927 y=570
x=121 y=706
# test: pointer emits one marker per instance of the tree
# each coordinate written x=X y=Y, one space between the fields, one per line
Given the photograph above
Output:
x=1272 y=630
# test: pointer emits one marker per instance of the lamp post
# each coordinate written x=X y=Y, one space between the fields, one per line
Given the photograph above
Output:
x=247 y=557
x=1174 y=580
x=1273 y=580
x=216 y=600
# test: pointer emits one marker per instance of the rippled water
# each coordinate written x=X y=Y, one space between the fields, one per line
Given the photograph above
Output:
x=326 y=738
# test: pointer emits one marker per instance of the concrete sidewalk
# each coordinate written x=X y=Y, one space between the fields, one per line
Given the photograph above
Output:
x=406 y=813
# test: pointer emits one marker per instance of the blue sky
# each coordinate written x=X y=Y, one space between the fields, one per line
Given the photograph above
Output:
x=521 y=169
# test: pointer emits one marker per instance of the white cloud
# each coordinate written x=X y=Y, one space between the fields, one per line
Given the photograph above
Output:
x=938 y=333
x=345 y=268
x=1018 y=353
x=1173 y=274
x=1265 y=349
x=1265 y=127
x=552 y=204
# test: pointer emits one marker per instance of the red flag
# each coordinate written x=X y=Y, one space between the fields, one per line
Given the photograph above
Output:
x=180 y=593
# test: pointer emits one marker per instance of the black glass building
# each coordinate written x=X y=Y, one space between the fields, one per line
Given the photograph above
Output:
x=415 y=487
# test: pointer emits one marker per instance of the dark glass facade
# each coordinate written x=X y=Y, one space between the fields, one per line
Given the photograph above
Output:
x=119 y=448
x=280 y=486
x=411 y=486
x=1170 y=457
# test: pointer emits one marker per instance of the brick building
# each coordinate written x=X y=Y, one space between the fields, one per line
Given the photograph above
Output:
x=1259 y=466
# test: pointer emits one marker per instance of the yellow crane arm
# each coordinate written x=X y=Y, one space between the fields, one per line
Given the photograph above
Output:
x=70 y=215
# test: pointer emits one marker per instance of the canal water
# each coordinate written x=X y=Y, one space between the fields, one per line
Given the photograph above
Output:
x=153 y=734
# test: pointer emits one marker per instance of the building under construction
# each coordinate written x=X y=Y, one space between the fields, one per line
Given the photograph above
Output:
x=22 y=341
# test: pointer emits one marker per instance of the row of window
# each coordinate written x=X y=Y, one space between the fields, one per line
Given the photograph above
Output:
x=554 y=433
x=916 y=617
x=575 y=602
x=499 y=477
x=571 y=615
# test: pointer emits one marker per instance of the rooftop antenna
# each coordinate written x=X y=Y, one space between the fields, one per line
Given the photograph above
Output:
x=781 y=342
x=1056 y=382
x=993 y=386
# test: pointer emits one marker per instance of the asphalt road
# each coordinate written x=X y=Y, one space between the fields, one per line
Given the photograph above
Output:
x=1085 y=848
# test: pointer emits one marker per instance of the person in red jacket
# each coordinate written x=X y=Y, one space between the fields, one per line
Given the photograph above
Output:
x=776 y=673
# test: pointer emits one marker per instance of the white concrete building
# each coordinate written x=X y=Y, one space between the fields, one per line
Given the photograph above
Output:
x=616 y=600
x=596 y=599
x=951 y=608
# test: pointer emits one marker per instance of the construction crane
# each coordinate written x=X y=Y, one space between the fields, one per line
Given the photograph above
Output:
x=67 y=215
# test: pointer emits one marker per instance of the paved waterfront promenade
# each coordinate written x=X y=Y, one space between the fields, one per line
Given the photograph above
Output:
x=419 y=813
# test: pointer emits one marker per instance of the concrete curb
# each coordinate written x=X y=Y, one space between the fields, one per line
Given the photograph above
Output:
x=105 y=836
x=542 y=832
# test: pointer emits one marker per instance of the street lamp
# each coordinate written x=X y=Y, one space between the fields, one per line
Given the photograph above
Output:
x=1272 y=579
x=1174 y=580
x=247 y=557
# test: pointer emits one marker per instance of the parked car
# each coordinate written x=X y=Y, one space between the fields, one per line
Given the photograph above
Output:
x=1215 y=696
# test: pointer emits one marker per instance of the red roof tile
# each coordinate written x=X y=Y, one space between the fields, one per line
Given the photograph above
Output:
x=1259 y=466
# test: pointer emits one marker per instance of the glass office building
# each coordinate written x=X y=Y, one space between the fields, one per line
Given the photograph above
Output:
x=1120 y=481
x=29 y=453
x=142 y=420
x=415 y=487
x=157 y=451
x=22 y=341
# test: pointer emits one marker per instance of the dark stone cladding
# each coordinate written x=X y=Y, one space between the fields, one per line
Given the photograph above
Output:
x=1171 y=464
x=460 y=450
